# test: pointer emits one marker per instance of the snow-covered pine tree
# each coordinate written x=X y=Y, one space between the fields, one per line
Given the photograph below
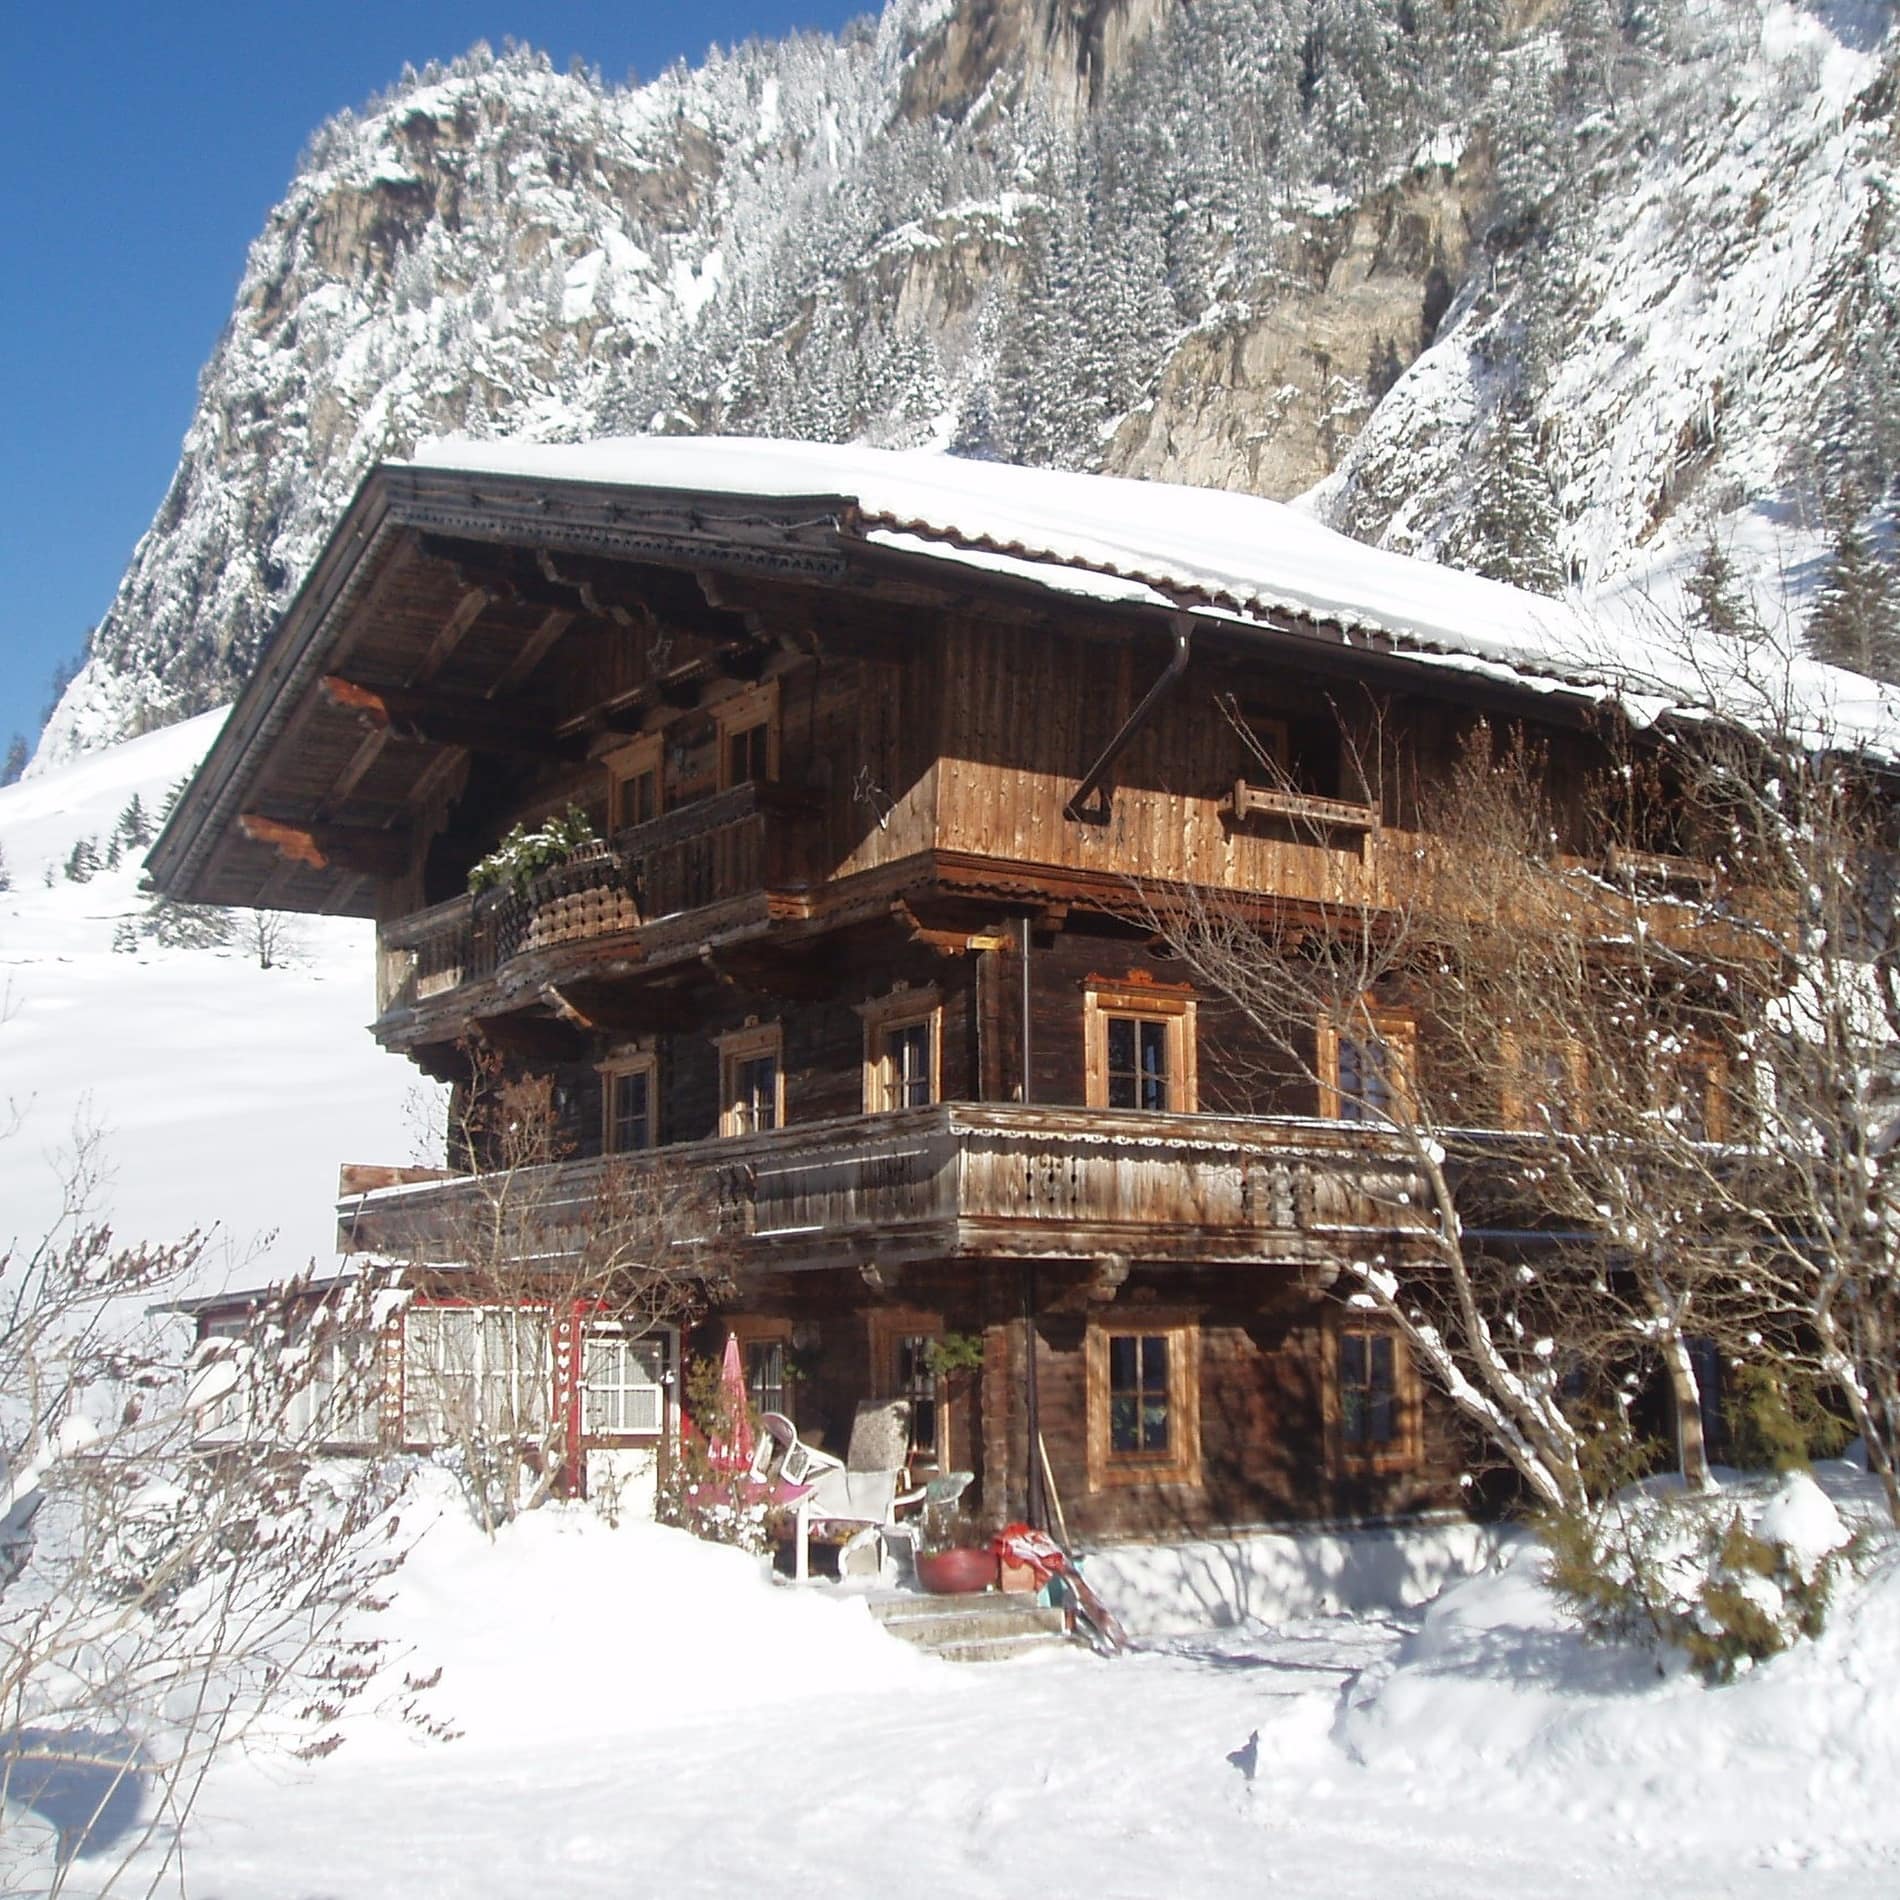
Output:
x=1717 y=603
x=1510 y=529
x=1856 y=618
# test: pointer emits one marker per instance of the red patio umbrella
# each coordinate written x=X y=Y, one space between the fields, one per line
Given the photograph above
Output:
x=730 y=1450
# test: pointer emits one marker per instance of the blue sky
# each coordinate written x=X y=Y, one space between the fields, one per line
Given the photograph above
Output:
x=141 y=146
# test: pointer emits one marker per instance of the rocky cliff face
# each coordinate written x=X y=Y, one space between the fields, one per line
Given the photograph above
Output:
x=1481 y=277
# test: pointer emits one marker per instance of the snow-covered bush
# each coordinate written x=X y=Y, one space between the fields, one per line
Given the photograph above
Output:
x=1725 y=1581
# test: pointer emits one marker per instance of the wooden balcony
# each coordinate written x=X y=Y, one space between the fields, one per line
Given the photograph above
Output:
x=966 y=1181
x=746 y=843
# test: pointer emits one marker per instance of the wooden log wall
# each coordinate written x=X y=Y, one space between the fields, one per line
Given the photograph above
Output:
x=1266 y=1454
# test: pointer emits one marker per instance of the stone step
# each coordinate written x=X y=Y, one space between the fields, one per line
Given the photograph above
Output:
x=985 y=1627
x=997 y=1648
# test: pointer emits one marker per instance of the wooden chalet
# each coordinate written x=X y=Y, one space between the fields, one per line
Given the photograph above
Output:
x=884 y=757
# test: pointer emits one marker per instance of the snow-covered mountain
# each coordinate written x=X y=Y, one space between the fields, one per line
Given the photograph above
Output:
x=1547 y=287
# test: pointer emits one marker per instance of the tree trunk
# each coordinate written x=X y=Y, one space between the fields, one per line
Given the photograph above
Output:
x=1692 y=1451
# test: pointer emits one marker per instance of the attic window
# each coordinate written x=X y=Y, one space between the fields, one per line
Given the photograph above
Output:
x=634 y=784
x=748 y=737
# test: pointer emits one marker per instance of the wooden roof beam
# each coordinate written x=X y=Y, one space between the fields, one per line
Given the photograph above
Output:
x=469 y=609
x=448 y=719
x=534 y=649
x=507 y=575
x=324 y=847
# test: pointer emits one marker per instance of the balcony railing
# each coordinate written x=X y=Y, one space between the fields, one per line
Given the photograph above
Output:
x=957 y=1181
x=753 y=838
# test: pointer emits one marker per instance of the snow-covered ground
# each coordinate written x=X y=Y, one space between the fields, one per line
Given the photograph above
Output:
x=223 y=1095
x=634 y=1713
x=641 y=1714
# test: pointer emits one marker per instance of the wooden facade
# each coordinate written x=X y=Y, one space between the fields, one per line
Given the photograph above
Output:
x=855 y=953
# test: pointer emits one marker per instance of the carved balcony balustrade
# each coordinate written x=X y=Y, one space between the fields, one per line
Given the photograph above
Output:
x=966 y=1181
x=743 y=844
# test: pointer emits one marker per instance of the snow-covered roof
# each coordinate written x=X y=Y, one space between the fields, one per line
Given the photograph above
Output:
x=1233 y=555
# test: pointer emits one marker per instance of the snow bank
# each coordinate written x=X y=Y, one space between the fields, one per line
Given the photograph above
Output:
x=564 y=1627
x=1792 y=1765
x=1176 y=1589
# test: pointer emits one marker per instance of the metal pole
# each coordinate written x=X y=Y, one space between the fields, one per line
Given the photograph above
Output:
x=1035 y=1497
x=1025 y=1014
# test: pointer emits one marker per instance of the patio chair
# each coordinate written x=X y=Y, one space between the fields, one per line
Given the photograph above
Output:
x=940 y=1494
x=862 y=1488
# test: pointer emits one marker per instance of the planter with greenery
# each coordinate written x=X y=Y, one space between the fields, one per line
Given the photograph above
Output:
x=523 y=854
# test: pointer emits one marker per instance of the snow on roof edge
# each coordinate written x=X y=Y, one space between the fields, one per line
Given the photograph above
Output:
x=1164 y=544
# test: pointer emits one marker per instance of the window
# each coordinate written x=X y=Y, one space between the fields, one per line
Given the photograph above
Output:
x=1368 y=1391
x=633 y=784
x=1698 y=1097
x=1544 y=1085
x=752 y=1084
x=903 y=1035
x=629 y=1104
x=748 y=736
x=337 y=1404
x=323 y=1389
x=221 y=1377
x=479 y=1371
x=747 y=754
x=1375 y=1404
x=623 y=1383
x=903 y=1345
x=1137 y=1063
x=1268 y=746
x=765 y=1376
x=1140 y=1048
x=1144 y=1402
x=1139 y=1408
x=1366 y=1067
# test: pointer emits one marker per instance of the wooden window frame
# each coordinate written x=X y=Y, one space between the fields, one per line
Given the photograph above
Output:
x=742 y=1046
x=883 y=1018
x=615 y=1070
x=1108 y=1470
x=1398 y=1030
x=1520 y=1082
x=1171 y=1007
x=1707 y=1063
x=1405 y=1450
x=647 y=754
x=889 y=1327
x=758 y=705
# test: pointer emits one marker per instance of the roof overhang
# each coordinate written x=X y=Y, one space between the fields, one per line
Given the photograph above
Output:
x=297 y=807
x=274 y=816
